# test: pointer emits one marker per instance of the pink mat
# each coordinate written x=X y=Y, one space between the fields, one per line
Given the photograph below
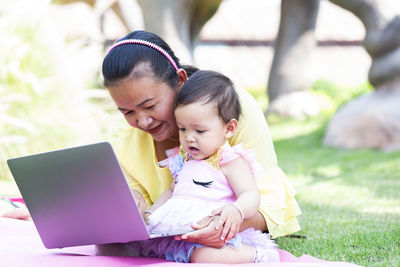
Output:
x=20 y=245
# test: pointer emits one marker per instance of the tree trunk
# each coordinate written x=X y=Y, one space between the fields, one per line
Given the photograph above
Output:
x=293 y=48
x=203 y=10
x=372 y=120
x=382 y=39
x=178 y=22
x=129 y=13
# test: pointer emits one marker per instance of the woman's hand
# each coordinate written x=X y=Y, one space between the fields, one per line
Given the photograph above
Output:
x=18 y=213
x=205 y=233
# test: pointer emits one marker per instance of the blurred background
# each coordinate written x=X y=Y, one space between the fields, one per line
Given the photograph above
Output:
x=51 y=54
x=326 y=73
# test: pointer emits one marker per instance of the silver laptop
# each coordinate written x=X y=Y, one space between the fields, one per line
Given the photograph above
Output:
x=79 y=196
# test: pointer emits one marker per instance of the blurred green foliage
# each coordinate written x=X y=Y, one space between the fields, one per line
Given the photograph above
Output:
x=337 y=95
x=44 y=101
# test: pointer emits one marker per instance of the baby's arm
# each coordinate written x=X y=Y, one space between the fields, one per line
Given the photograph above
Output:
x=242 y=181
x=160 y=201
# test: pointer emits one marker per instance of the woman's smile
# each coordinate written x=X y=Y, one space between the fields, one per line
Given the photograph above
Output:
x=155 y=130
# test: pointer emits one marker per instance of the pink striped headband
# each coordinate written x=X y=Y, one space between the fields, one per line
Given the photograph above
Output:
x=146 y=43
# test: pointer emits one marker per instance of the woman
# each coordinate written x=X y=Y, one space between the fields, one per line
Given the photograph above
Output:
x=143 y=77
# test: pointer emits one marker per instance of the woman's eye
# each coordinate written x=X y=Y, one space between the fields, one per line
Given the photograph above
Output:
x=150 y=107
x=128 y=113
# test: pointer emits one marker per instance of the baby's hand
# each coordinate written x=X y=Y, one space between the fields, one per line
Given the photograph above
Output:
x=230 y=219
x=146 y=217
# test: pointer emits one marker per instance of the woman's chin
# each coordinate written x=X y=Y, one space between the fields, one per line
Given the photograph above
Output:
x=159 y=138
x=164 y=136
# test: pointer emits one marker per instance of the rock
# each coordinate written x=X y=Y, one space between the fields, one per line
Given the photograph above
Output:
x=369 y=121
x=296 y=105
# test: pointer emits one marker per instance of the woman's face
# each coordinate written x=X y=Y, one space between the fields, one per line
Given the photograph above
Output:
x=147 y=104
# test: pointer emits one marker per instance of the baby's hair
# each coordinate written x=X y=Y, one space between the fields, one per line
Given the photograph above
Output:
x=211 y=87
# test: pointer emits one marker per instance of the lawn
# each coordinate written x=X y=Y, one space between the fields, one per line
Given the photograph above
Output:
x=350 y=199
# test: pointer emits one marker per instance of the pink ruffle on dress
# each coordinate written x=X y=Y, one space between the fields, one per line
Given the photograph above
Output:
x=201 y=187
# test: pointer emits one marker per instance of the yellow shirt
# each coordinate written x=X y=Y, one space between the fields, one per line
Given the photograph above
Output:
x=136 y=153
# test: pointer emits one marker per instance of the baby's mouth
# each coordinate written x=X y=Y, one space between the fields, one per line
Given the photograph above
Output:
x=193 y=150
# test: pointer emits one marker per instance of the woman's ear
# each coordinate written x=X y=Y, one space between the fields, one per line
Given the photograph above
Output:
x=182 y=78
x=230 y=128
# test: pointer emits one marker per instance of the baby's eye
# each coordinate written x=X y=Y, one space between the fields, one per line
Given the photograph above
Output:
x=200 y=131
x=181 y=129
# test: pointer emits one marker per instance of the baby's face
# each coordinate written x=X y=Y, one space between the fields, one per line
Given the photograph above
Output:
x=201 y=131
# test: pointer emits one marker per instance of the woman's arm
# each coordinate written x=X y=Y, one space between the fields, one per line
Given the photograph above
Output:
x=257 y=221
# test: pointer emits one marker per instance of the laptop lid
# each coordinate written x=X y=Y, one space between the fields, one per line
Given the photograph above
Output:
x=78 y=196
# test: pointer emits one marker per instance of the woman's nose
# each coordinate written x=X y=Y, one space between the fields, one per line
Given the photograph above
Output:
x=144 y=121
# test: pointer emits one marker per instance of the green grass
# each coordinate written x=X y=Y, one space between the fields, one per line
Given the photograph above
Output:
x=350 y=199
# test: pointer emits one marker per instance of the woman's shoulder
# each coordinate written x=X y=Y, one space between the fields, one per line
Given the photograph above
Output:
x=247 y=101
x=128 y=142
x=128 y=136
x=251 y=111
x=252 y=125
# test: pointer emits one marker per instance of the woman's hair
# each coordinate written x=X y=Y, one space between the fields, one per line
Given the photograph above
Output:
x=211 y=87
x=132 y=60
